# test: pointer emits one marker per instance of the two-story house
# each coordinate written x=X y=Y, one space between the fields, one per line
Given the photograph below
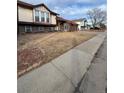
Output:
x=35 y=18
x=82 y=23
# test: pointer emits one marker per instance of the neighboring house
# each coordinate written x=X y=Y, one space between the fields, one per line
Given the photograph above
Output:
x=82 y=23
x=89 y=26
x=35 y=18
x=66 y=25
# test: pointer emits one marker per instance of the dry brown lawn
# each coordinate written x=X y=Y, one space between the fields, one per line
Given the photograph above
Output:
x=37 y=49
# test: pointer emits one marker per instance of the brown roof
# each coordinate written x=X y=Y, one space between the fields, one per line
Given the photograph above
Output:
x=81 y=19
x=30 y=6
x=72 y=22
x=61 y=19
x=65 y=20
x=24 y=4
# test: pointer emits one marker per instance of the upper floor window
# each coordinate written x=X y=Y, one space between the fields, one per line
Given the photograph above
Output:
x=47 y=17
x=37 y=16
x=42 y=17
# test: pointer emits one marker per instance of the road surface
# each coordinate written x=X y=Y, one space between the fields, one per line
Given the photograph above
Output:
x=95 y=79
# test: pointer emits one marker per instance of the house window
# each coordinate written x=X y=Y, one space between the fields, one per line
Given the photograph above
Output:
x=52 y=29
x=41 y=28
x=28 y=29
x=47 y=17
x=37 y=16
x=66 y=27
x=42 y=17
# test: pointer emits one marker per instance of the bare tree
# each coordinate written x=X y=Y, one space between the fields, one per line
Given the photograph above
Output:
x=97 y=16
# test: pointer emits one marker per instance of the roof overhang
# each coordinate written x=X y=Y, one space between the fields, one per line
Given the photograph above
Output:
x=35 y=23
x=25 y=5
x=66 y=21
x=46 y=8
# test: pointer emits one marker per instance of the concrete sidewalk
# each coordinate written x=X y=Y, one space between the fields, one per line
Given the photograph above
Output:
x=62 y=74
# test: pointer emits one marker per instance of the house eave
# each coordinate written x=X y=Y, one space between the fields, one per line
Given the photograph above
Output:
x=35 y=23
x=38 y=5
x=25 y=5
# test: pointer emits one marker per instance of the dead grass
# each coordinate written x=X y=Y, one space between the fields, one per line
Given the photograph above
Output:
x=41 y=48
x=23 y=39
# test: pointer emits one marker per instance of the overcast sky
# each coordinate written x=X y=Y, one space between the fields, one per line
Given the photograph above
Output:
x=71 y=9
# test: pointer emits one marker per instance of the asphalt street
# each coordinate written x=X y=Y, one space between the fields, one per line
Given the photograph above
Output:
x=95 y=79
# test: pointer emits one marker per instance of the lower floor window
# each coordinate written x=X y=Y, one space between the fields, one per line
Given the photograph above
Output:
x=52 y=28
x=41 y=28
x=28 y=29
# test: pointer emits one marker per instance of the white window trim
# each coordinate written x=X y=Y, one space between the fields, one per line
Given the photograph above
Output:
x=45 y=17
x=26 y=28
x=40 y=16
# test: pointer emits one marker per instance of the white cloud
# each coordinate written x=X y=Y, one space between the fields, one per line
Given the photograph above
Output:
x=74 y=10
x=65 y=3
x=70 y=8
x=103 y=7
x=85 y=1
x=59 y=2
x=69 y=1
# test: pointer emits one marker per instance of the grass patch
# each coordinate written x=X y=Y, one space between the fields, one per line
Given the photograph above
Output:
x=42 y=48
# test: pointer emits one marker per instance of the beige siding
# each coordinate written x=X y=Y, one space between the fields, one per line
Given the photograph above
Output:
x=25 y=14
x=53 y=19
x=41 y=8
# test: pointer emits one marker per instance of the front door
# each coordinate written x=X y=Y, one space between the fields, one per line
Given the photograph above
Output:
x=66 y=28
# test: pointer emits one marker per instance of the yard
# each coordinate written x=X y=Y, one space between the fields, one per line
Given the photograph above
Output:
x=39 y=48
